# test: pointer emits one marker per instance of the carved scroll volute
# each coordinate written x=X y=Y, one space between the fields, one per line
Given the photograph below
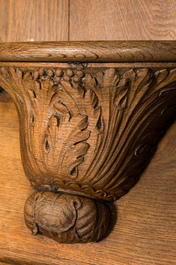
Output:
x=85 y=140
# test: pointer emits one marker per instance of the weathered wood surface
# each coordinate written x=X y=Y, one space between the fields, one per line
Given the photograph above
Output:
x=144 y=234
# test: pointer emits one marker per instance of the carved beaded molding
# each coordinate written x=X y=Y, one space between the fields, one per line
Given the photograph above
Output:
x=87 y=134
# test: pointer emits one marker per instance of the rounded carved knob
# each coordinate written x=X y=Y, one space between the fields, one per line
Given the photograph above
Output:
x=67 y=218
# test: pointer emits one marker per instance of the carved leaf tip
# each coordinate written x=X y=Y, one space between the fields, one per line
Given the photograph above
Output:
x=4 y=72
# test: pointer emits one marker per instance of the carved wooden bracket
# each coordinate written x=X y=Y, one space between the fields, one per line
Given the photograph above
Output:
x=91 y=115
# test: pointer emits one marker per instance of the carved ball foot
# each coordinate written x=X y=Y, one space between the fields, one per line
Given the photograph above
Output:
x=67 y=218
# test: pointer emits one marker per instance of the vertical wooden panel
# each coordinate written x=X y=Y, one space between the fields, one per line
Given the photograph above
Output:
x=122 y=20
x=34 y=20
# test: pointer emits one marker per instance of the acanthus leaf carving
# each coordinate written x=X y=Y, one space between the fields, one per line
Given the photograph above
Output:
x=97 y=132
x=91 y=134
x=65 y=144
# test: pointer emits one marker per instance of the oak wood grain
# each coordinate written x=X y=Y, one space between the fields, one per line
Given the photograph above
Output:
x=89 y=51
x=122 y=20
x=144 y=234
x=23 y=20
x=146 y=229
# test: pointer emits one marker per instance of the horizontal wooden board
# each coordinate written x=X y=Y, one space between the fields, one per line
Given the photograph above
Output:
x=101 y=51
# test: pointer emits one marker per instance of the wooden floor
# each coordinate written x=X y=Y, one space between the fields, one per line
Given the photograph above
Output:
x=145 y=230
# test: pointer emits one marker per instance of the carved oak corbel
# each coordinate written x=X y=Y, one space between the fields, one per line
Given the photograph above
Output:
x=91 y=115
